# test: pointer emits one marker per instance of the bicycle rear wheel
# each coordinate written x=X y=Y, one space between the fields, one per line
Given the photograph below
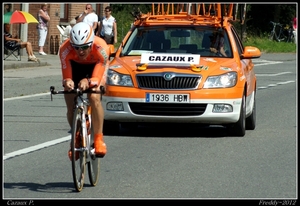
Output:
x=78 y=156
x=93 y=164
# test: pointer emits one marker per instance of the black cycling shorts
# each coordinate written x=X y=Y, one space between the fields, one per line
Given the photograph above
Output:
x=81 y=71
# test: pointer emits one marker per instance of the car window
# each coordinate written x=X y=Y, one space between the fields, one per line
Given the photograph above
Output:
x=238 y=42
x=193 y=40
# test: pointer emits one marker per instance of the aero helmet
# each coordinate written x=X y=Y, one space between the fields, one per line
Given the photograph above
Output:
x=82 y=34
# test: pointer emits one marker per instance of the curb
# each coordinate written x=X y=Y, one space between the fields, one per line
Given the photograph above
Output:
x=25 y=65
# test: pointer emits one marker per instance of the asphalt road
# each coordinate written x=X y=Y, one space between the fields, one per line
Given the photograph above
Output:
x=187 y=161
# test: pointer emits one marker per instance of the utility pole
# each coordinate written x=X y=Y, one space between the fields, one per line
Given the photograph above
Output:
x=24 y=27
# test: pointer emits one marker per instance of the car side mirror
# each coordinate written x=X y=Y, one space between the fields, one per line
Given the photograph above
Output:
x=251 y=52
x=112 y=52
x=111 y=48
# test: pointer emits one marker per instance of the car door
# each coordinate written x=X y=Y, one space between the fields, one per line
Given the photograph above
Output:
x=246 y=65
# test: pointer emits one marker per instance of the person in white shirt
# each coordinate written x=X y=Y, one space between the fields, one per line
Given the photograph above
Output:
x=107 y=27
x=89 y=16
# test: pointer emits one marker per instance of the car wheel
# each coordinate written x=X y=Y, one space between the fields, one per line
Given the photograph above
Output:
x=110 y=127
x=251 y=120
x=239 y=128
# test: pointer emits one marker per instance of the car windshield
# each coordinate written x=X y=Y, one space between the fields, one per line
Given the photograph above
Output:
x=193 y=40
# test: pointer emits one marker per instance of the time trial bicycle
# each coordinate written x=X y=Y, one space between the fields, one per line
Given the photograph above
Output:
x=82 y=138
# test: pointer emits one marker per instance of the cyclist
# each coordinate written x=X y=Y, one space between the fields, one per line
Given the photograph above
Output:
x=84 y=62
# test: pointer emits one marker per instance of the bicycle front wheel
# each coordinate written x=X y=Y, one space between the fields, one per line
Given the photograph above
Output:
x=78 y=155
x=93 y=164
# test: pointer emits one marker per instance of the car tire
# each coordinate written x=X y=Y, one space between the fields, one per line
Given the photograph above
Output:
x=239 y=128
x=110 y=127
x=251 y=120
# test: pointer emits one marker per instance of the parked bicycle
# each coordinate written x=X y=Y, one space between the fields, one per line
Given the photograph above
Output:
x=83 y=151
x=280 y=34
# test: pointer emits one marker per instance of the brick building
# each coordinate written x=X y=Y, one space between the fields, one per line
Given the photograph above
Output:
x=60 y=14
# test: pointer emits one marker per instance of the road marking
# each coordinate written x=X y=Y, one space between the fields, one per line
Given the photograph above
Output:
x=274 y=85
x=27 y=96
x=36 y=147
x=272 y=75
x=261 y=62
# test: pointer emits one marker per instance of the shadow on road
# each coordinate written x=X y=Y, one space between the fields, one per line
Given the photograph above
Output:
x=168 y=130
x=54 y=187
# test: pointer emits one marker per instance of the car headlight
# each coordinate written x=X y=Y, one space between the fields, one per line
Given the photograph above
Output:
x=114 y=78
x=221 y=81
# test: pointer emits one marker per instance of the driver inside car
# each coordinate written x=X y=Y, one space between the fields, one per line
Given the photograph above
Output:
x=217 y=44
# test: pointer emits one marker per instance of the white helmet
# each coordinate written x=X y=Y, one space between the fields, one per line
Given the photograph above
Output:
x=82 y=34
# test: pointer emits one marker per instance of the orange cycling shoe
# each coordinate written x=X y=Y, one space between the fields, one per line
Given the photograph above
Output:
x=77 y=144
x=100 y=146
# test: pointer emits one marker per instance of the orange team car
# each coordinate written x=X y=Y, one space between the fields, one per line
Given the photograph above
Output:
x=182 y=67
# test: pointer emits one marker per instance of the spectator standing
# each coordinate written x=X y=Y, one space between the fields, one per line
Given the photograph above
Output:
x=13 y=42
x=89 y=16
x=107 y=27
x=43 y=19
x=97 y=28
x=295 y=29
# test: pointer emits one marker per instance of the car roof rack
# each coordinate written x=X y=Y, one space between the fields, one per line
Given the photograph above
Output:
x=215 y=14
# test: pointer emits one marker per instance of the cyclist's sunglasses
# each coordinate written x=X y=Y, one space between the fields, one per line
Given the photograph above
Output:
x=84 y=47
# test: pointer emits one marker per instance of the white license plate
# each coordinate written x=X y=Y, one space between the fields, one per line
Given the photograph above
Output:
x=167 y=98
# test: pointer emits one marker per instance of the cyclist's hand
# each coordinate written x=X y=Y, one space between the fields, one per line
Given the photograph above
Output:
x=83 y=84
x=69 y=84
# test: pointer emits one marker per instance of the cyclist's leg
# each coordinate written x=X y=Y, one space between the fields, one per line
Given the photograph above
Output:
x=69 y=99
x=97 y=121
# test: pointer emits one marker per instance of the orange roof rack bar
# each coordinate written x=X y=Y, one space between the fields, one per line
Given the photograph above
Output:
x=191 y=13
x=194 y=9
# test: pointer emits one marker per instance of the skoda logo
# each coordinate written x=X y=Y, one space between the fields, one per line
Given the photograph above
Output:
x=168 y=76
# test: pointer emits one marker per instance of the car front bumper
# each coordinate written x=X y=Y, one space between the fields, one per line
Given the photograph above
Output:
x=196 y=111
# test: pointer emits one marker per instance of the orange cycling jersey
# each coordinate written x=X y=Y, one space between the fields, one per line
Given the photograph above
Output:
x=99 y=56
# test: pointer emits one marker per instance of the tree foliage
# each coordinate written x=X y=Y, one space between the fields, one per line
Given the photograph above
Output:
x=256 y=23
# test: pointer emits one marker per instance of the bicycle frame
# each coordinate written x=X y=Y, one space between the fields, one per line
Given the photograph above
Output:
x=83 y=104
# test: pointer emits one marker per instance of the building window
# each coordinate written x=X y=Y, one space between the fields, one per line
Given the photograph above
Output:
x=7 y=8
x=64 y=12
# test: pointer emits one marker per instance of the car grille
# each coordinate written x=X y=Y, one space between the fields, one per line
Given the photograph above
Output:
x=176 y=82
x=166 y=109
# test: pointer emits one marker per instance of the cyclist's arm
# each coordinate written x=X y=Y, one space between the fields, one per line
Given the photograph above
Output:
x=100 y=69
x=65 y=54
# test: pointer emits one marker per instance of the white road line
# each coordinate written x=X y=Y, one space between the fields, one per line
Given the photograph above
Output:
x=272 y=75
x=274 y=85
x=36 y=147
x=261 y=62
x=27 y=96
